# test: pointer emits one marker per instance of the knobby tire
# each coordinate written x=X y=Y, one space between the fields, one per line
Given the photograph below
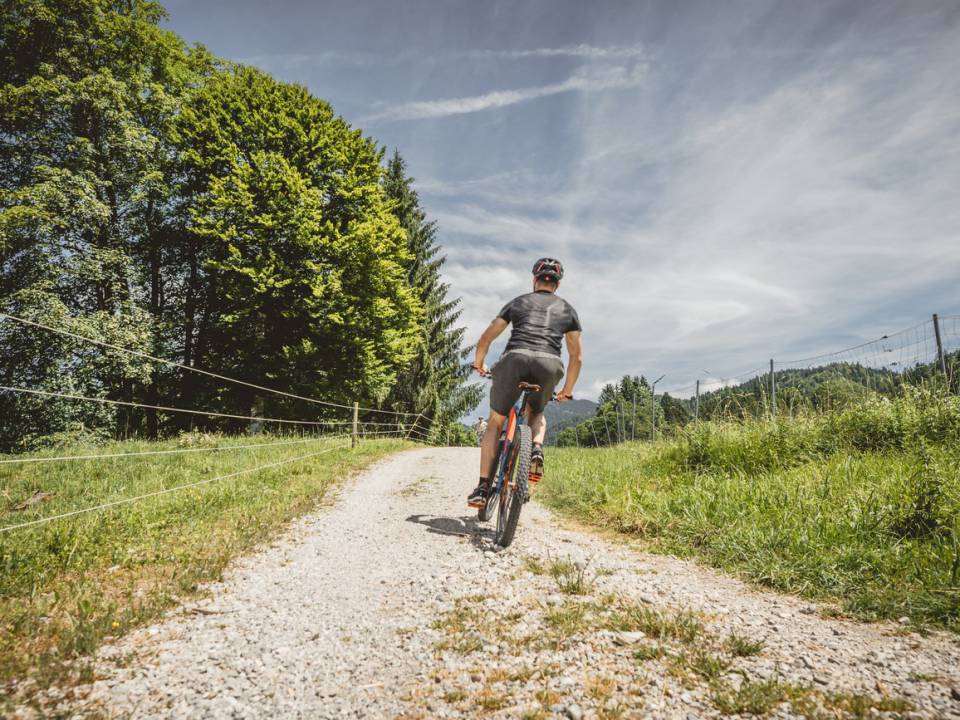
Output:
x=514 y=491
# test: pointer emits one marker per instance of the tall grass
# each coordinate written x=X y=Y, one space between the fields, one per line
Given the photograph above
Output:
x=861 y=505
x=68 y=584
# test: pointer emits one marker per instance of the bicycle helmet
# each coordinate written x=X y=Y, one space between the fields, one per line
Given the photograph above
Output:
x=548 y=269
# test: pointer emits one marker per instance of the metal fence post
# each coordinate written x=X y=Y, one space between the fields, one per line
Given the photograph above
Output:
x=696 y=404
x=773 y=391
x=653 y=414
x=355 y=439
x=633 y=418
x=940 y=355
x=653 y=408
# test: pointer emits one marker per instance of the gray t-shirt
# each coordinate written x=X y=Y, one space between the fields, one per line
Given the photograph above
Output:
x=540 y=320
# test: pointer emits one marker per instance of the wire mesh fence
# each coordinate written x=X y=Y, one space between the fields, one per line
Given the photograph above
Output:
x=925 y=353
x=927 y=350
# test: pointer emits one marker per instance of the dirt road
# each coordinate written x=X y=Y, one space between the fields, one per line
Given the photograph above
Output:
x=391 y=603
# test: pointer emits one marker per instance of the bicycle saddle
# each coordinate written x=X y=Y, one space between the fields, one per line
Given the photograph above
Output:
x=529 y=386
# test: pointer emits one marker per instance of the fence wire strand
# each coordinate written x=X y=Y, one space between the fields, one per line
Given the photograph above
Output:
x=894 y=353
x=165 y=491
x=160 y=408
x=172 y=363
x=177 y=451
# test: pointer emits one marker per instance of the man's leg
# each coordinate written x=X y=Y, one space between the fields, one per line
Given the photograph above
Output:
x=488 y=445
x=538 y=426
x=548 y=372
x=488 y=453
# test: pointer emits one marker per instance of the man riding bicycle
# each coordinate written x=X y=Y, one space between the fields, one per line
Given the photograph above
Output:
x=541 y=320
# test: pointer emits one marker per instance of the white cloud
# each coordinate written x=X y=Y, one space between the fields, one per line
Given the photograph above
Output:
x=797 y=217
x=588 y=79
x=592 y=392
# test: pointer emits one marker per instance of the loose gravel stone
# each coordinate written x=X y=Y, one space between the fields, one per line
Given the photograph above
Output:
x=390 y=604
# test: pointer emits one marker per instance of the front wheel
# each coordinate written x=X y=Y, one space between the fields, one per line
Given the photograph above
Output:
x=513 y=494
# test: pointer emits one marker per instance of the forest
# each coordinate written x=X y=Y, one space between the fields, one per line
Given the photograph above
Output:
x=157 y=198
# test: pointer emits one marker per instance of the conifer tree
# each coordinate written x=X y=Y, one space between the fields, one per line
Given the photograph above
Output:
x=434 y=383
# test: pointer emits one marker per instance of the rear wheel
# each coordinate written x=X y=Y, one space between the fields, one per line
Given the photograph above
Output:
x=514 y=491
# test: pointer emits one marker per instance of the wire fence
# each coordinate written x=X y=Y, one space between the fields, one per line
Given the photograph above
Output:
x=363 y=423
x=165 y=491
x=926 y=351
x=188 y=368
x=884 y=361
x=921 y=350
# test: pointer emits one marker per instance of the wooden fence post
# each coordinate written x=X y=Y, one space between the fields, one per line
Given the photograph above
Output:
x=355 y=439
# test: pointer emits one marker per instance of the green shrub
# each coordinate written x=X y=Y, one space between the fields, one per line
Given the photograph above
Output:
x=751 y=446
x=880 y=423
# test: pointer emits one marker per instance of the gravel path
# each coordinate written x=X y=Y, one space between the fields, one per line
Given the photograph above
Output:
x=391 y=603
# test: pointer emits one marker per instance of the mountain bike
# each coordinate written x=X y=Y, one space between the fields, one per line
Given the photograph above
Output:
x=511 y=484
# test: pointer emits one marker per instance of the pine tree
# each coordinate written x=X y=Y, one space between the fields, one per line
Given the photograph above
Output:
x=434 y=384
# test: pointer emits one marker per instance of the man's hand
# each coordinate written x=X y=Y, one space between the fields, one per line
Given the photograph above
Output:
x=564 y=395
x=481 y=367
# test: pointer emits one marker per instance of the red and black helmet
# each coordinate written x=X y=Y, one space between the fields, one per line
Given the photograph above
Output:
x=548 y=269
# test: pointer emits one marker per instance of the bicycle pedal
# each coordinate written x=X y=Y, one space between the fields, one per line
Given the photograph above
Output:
x=535 y=478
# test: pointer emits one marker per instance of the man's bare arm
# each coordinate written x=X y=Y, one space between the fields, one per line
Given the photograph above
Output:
x=574 y=363
x=483 y=344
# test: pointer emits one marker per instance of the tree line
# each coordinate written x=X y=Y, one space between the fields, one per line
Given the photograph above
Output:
x=162 y=199
x=627 y=408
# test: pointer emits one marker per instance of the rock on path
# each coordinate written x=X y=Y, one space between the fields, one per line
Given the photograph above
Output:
x=391 y=603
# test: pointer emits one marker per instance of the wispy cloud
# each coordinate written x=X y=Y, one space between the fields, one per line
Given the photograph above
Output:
x=588 y=79
x=814 y=214
x=590 y=52
x=360 y=58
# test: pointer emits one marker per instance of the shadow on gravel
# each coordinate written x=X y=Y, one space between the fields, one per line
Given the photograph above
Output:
x=466 y=526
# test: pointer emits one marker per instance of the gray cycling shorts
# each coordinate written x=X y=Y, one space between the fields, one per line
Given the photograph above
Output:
x=519 y=366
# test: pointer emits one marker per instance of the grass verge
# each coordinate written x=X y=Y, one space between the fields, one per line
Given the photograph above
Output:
x=67 y=585
x=862 y=506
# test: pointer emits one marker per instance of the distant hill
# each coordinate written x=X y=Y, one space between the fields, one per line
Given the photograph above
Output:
x=562 y=415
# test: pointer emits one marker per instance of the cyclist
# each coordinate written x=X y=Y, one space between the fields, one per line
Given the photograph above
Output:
x=541 y=320
x=480 y=428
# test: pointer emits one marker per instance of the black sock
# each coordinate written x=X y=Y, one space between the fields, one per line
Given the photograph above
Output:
x=484 y=481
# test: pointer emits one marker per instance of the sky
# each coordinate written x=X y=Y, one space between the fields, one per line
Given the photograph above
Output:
x=724 y=182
